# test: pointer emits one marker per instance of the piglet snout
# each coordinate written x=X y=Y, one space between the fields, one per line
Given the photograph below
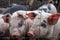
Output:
x=30 y=34
x=15 y=33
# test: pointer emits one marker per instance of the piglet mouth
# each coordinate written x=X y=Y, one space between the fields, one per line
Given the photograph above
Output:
x=30 y=34
x=15 y=36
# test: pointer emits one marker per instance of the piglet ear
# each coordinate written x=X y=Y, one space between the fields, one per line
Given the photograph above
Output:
x=31 y=15
x=52 y=20
x=6 y=17
x=20 y=15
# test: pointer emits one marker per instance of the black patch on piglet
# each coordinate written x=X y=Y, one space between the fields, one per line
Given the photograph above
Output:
x=43 y=25
x=20 y=24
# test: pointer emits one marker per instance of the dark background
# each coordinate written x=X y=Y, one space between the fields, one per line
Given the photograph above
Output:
x=36 y=3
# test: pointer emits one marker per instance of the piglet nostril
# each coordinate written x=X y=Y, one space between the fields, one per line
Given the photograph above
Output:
x=15 y=36
x=31 y=34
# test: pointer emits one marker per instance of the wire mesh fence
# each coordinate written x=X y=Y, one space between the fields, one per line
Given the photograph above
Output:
x=32 y=6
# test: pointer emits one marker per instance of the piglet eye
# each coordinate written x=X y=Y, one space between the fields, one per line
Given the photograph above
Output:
x=20 y=24
x=9 y=25
x=44 y=21
x=43 y=25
